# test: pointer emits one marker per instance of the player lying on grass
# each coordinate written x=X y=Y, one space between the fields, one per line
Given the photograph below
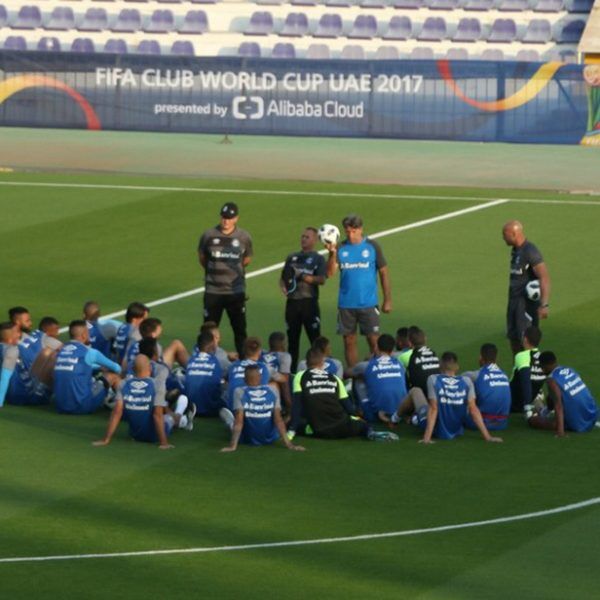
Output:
x=492 y=390
x=76 y=392
x=141 y=401
x=102 y=331
x=257 y=409
x=575 y=408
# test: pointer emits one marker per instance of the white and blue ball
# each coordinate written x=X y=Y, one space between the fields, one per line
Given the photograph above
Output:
x=329 y=234
x=533 y=290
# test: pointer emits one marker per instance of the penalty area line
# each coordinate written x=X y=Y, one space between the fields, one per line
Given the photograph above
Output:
x=279 y=265
x=331 y=540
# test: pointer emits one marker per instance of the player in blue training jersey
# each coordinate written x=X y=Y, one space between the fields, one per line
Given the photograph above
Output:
x=9 y=355
x=76 y=392
x=102 y=331
x=19 y=316
x=359 y=261
x=203 y=376
x=574 y=406
x=492 y=390
x=332 y=365
x=280 y=361
x=257 y=410
x=129 y=333
x=141 y=402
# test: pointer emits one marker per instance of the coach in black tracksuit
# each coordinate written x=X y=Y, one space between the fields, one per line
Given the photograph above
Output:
x=302 y=274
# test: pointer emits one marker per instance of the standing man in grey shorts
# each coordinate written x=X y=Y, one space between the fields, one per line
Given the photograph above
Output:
x=224 y=252
x=359 y=260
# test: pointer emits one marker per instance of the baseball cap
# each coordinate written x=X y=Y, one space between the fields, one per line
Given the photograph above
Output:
x=353 y=221
x=229 y=210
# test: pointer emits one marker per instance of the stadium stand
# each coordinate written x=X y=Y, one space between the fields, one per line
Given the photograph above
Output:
x=460 y=29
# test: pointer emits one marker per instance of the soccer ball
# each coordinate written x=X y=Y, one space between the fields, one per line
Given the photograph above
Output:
x=329 y=234
x=533 y=291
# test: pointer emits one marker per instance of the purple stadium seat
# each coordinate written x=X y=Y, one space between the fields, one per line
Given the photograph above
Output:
x=116 y=46
x=329 y=26
x=570 y=33
x=261 y=23
x=128 y=21
x=387 y=53
x=269 y=2
x=513 y=5
x=422 y=53
x=353 y=52
x=3 y=15
x=479 y=5
x=503 y=30
x=148 y=47
x=338 y=3
x=61 y=19
x=580 y=6
x=249 y=50
x=15 y=42
x=95 y=19
x=295 y=25
x=408 y=3
x=282 y=50
x=551 y=6
x=399 y=28
x=161 y=21
x=49 y=44
x=373 y=3
x=318 y=52
x=304 y=2
x=28 y=17
x=434 y=29
x=492 y=54
x=170 y=1
x=457 y=54
x=204 y=1
x=82 y=45
x=443 y=4
x=468 y=30
x=195 y=21
x=538 y=31
x=364 y=27
x=182 y=48
x=528 y=56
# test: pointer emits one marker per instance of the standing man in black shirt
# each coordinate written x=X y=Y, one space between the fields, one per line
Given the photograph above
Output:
x=302 y=274
x=224 y=252
x=526 y=264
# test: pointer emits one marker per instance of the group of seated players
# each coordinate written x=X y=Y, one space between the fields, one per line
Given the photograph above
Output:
x=157 y=387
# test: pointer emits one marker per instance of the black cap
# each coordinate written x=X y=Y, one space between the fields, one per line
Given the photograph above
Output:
x=353 y=221
x=229 y=210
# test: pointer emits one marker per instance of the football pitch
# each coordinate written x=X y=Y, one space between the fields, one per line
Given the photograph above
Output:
x=130 y=521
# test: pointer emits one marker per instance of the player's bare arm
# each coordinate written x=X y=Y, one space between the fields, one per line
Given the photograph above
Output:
x=384 y=276
x=541 y=272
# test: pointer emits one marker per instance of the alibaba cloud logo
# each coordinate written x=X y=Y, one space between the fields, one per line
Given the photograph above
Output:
x=248 y=107
x=21 y=82
x=528 y=92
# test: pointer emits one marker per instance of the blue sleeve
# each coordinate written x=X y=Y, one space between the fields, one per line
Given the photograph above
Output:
x=4 y=381
x=93 y=358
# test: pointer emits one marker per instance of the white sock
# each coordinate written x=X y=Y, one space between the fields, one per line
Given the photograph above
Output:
x=182 y=403
x=395 y=418
x=183 y=422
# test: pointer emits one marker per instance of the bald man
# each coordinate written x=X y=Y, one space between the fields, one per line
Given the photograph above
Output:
x=526 y=264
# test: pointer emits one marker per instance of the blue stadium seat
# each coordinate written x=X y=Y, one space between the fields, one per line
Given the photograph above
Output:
x=353 y=52
x=479 y=5
x=551 y=6
x=95 y=19
x=387 y=53
x=443 y=4
x=468 y=30
x=295 y=25
x=3 y=15
x=408 y=4
x=61 y=19
x=28 y=17
x=329 y=26
x=195 y=21
x=49 y=44
x=15 y=42
x=318 y=52
x=161 y=21
x=513 y=5
x=83 y=45
x=304 y=2
x=503 y=30
x=434 y=30
x=580 y=6
x=570 y=33
x=283 y=50
x=116 y=46
x=364 y=27
x=339 y=3
x=148 y=47
x=261 y=23
x=399 y=28
x=128 y=21
x=373 y=3
x=249 y=50
x=538 y=31
x=182 y=48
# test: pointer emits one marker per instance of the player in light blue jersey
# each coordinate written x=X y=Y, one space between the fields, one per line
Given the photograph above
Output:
x=129 y=333
x=331 y=365
x=257 y=408
x=575 y=408
x=20 y=317
x=359 y=261
x=102 y=330
x=203 y=376
x=9 y=355
x=76 y=392
x=279 y=361
x=141 y=402
x=492 y=390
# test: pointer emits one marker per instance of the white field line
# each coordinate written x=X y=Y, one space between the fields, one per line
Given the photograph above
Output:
x=149 y=188
x=332 y=540
x=279 y=265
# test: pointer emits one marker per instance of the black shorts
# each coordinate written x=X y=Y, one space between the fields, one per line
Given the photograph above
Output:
x=520 y=315
x=347 y=428
x=367 y=320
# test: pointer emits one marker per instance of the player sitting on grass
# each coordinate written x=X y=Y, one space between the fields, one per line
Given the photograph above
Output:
x=19 y=316
x=9 y=355
x=76 y=391
x=575 y=408
x=492 y=390
x=257 y=409
x=102 y=331
x=527 y=378
x=129 y=332
x=332 y=365
x=321 y=401
x=224 y=357
x=203 y=377
x=31 y=383
x=280 y=361
x=141 y=400
x=422 y=362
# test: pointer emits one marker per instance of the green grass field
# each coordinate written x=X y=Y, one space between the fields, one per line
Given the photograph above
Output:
x=71 y=242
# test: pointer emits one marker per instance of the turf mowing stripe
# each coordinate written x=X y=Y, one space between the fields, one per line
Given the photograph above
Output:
x=333 y=540
x=279 y=265
x=150 y=188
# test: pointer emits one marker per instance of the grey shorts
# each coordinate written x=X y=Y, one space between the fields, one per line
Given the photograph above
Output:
x=367 y=320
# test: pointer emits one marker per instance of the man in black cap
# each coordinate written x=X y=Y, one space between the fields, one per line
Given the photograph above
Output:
x=225 y=251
